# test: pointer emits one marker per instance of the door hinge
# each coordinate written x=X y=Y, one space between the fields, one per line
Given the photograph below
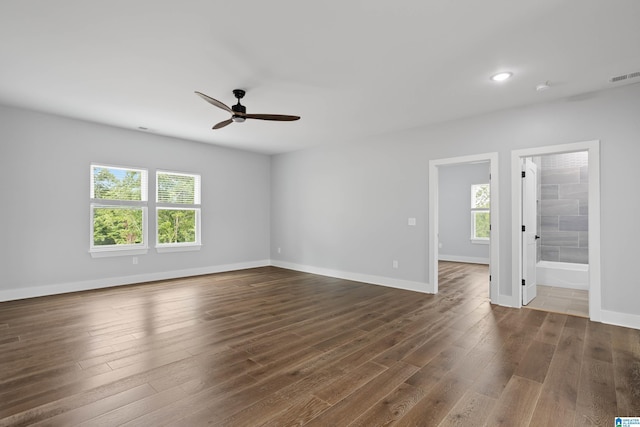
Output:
x=489 y=227
x=524 y=174
x=524 y=228
x=523 y=282
x=489 y=277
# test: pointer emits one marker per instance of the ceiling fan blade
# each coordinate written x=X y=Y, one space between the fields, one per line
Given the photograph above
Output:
x=215 y=102
x=222 y=124
x=278 y=117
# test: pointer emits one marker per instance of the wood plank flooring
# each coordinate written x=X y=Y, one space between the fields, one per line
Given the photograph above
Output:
x=273 y=347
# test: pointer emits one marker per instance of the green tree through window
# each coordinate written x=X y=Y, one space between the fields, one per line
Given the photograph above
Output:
x=178 y=209
x=117 y=226
x=480 y=217
x=176 y=226
x=118 y=207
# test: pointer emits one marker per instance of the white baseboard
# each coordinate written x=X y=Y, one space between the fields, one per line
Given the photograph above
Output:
x=620 y=319
x=85 y=285
x=609 y=317
x=467 y=259
x=508 y=301
x=357 y=277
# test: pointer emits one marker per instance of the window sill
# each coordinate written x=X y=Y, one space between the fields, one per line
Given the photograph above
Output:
x=105 y=253
x=480 y=241
x=178 y=248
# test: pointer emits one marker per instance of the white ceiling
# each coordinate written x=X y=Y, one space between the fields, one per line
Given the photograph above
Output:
x=350 y=68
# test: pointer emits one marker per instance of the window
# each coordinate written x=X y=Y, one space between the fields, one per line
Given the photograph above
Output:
x=177 y=211
x=480 y=217
x=118 y=205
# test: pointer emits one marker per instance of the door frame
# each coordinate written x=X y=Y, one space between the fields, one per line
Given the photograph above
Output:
x=593 y=148
x=494 y=267
x=529 y=207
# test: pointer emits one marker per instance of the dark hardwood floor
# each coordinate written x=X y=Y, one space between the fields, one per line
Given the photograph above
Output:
x=270 y=346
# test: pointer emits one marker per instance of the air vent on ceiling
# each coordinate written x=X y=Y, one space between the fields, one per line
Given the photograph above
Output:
x=624 y=77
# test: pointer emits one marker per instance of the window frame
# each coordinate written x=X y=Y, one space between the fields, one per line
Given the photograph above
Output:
x=196 y=207
x=99 y=251
x=474 y=211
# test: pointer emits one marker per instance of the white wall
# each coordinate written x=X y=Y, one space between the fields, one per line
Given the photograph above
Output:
x=344 y=207
x=44 y=183
x=454 y=203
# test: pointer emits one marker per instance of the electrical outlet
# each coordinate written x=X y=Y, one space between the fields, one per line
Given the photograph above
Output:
x=395 y=263
x=279 y=250
x=135 y=259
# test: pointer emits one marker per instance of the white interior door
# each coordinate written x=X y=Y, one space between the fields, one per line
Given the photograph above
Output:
x=530 y=233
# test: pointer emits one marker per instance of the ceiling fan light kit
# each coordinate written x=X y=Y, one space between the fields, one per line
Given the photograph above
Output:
x=239 y=111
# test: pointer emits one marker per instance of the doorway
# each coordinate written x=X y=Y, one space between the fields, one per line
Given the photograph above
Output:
x=434 y=220
x=555 y=211
x=571 y=250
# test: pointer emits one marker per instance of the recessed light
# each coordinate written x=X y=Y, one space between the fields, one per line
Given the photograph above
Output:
x=543 y=86
x=500 y=77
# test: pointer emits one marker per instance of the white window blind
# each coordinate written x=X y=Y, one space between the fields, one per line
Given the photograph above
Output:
x=178 y=188
x=177 y=211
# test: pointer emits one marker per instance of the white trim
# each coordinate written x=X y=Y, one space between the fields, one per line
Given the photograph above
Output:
x=480 y=241
x=110 y=252
x=593 y=147
x=610 y=317
x=178 y=247
x=620 y=319
x=62 y=288
x=432 y=262
x=508 y=301
x=467 y=259
x=356 y=277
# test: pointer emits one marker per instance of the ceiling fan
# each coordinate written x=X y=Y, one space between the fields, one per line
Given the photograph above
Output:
x=239 y=111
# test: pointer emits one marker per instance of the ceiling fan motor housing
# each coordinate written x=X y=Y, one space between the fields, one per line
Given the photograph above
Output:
x=238 y=108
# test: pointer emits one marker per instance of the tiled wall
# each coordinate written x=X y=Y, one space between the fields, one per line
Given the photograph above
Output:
x=563 y=207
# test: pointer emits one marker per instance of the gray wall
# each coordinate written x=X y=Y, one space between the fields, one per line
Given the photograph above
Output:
x=345 y=206
x=564 y=208
x=342 y=207
x=44 y=183
x=454 y=194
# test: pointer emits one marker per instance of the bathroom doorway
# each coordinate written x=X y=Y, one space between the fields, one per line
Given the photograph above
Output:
x=555 y=209
x=566 y=229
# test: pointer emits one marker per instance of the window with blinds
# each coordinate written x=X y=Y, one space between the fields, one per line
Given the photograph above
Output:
x=118 y=209
x=177 y=211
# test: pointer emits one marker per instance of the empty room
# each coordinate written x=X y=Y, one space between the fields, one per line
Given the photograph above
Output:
x=320 y=214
